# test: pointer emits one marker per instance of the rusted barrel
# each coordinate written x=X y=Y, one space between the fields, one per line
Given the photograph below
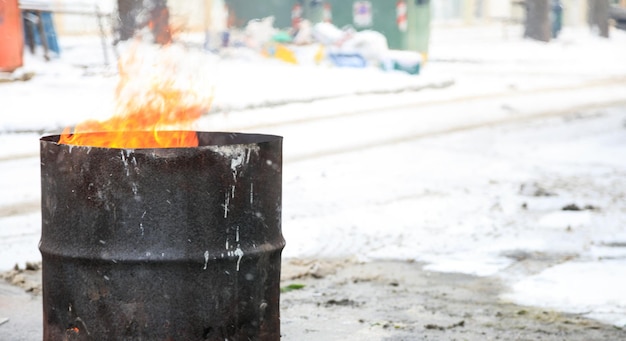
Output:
x=162 y=243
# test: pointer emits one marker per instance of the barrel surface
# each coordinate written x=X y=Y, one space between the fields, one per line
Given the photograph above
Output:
x=162 y=244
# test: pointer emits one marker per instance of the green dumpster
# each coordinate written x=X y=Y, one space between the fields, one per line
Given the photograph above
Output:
x=246 y=10
x=405 y=23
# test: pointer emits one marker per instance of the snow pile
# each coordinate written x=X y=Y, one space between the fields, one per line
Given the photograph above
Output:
x=78 y=85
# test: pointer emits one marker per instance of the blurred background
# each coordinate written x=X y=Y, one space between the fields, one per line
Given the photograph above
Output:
x=481 y=137
x=405 y=25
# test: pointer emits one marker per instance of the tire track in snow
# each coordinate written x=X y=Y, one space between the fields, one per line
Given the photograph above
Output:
x=520 y=107
x=413 y=137
x=460 y=99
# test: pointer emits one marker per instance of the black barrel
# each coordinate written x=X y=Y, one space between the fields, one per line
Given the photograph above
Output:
x=162 y=243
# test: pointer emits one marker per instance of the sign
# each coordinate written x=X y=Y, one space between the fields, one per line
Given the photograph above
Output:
x=401 y=13
x=362 y=13
x=296 y=15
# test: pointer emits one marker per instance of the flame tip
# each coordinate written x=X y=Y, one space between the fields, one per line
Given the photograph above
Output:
x=151 y=96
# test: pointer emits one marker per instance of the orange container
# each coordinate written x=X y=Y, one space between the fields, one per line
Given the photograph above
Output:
x=11 y=36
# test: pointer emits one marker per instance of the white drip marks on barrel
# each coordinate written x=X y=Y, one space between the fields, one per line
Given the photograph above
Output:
x=125 y=155
x=235 y=163
x=239 y=156
x=206 y=259
x=237 y=153
x=128 y=158
x=141 y=222
x=237 y=252
x=225 y=205
x=71 y=146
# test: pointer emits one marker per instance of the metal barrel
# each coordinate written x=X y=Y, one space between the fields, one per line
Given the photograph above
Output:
x=162 y=243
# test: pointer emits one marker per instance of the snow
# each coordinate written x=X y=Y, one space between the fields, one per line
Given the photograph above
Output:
x=592 y=288
x=457 y=177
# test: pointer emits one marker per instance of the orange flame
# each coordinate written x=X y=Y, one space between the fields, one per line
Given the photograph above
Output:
x=152 y=95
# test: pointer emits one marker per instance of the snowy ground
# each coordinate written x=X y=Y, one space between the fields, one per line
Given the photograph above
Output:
x=471 y=178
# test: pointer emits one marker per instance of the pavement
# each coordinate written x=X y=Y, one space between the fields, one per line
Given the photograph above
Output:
x=354 y=301
x=21 y=303
x=21 y=311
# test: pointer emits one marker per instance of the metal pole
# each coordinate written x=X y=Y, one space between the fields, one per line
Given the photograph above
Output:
x=102 y=36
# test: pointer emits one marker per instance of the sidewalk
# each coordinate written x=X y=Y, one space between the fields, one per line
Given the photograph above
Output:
x=351 y=301
x=20 y=313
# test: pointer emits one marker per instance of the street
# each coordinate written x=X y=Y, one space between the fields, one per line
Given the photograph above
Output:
x=466 y=210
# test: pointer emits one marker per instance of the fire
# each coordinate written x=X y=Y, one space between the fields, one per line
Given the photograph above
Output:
x=159 y=91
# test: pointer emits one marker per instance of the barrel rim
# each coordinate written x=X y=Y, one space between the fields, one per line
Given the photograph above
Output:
x=226 y=139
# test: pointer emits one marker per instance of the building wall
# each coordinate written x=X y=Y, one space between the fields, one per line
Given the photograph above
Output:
x=483 y=11
x=187 y=15
x=447 y=10
x=574 y=12
x=77 y=24
x=198 y=15
x=191 y=15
